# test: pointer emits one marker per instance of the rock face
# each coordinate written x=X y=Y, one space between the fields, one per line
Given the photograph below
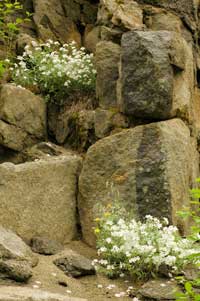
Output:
x=150 y=168
x=39 y=198
x=156 y=79
x=27 y=294
x=107 y=59
x=75 y=265
x=22 y=117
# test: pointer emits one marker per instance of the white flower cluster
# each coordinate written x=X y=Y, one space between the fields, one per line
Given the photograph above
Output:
x=55 y=69
x=140 y=248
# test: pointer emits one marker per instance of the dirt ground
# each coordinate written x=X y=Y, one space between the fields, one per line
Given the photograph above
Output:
x=47 y=276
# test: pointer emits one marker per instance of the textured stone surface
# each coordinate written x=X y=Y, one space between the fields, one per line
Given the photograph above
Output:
x=9 y=293
x=151 y=168
x=23 y=109
x=185 y=8
x=49 y=17
x=13 y=247
x=127 y=14
x=107 y=121
x=159 y=290
x=22 y=117
x=107 y=59
x=156 y=79
x=75 y=265
x=91 y=37
x=39 y=198
x=19 y=271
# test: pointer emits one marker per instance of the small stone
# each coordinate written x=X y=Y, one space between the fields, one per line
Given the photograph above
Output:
x=75 y=265
x=45 y=246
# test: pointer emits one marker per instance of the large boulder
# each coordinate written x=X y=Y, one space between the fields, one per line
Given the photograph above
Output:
x=39 y=198
x=13 y=293
x=156 y=78
x=107 y=60
x=150 y=168
x=22 y=117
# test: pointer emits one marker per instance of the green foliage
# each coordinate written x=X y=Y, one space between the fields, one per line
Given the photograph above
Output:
x=9 y=27
x=9 y=23
x=56 y=70
x=190 y=293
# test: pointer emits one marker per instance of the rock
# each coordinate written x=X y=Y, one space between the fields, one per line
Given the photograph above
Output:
x=160 y=19
x=13 y=137
x=159 y=290
x=127 y=14
x=43 y=150
x=187 y=9
x=13 y=293
x=191 y=272
x=49 y=22
x=45 y=246
x=39 y=198
x=22 y=117
x=150 y=168
x=91 y=38
x=75 y=265
x=72 y=125
x=19 y=271
x=81 y=130
x=13 y=247
x=155 y=70
x=107 y=59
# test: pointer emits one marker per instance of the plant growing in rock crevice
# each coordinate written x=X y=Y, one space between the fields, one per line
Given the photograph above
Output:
x=130 y=247
x=9 y=28
x=57 y=71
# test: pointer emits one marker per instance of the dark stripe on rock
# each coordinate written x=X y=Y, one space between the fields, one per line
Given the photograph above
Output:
x=152 y=188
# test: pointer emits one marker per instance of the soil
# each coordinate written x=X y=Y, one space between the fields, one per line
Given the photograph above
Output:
x=47 y=276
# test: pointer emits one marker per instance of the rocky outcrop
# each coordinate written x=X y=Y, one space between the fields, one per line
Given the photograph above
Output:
x=150 y=166
x=22 y=117
x=39 y=198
